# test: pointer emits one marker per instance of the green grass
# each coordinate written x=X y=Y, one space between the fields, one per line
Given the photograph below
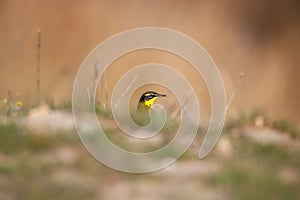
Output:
x=287 y=126
x=10 y=138
x=31 y=181
x=25 y=176
x=102 y=111
x=5 y=169
x=253 y=172
x=248 y=183
x=65 y=105
x=281 y=125
x=14 y=139
x=271 y=155
x=43 y=190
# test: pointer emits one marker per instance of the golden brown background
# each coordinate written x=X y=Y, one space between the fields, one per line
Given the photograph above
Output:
x=259 y=38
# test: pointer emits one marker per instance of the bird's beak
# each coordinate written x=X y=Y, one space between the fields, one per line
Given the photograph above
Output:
x=161 y=95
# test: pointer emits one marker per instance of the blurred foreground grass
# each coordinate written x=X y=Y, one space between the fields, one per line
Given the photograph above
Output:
x=260 y=172
x=56 y=166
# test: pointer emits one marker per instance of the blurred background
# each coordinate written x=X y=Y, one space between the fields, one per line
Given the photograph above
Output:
x=257 y=154
x=258 y=38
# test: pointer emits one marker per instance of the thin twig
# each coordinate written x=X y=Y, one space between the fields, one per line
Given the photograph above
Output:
x=105 y=91
x=184 y=105
x=89 y=96
x=10 y=96
x=94 y=82
x=125 y=91
x=235 y=91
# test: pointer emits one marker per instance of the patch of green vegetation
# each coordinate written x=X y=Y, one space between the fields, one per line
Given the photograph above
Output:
x=246 y=120
x=14 y=139
x=13 y=108
x=10 y=139
x=282 y=125
x=102 y=111
x=253 y=172
x=171 y=126
x=270 y=155
x=252 y=183
x=41 y=188
x=287 y=126
x=4 y=109
x=64 y=105
x=4 y=169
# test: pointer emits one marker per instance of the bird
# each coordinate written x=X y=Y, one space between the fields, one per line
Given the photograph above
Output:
x=145 y=103
x=147 y=100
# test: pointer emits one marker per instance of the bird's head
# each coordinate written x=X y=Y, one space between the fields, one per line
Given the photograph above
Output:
x=148 y=98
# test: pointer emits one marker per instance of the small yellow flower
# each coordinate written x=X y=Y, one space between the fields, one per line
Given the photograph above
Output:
x=19 y=104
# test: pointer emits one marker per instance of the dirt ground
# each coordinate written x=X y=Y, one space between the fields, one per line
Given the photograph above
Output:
x=42 y=157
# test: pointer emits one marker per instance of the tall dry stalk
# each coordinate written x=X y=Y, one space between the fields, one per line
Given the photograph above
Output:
x=103 y=86
x=241 y=77
x=38 y=66
x=105 y=104
x=93 y=87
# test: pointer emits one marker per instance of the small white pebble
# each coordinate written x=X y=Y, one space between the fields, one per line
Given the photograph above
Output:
x=259 y=121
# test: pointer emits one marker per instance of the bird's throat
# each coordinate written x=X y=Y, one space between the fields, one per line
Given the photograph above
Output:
x=150 y=102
